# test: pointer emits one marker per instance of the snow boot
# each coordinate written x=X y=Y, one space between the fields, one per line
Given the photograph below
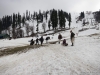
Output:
x=72 y=44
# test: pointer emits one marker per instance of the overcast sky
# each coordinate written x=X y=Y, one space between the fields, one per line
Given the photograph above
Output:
x=8 y=7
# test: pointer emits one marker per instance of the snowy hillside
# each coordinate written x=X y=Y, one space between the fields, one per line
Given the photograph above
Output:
x=30 y=25
x=54 y=59
x=78 y=25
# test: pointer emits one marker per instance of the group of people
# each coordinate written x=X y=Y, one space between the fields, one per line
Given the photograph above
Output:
x=37 y=41
x=72 y=38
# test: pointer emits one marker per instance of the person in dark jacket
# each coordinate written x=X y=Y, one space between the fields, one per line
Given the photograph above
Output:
x=41 y=40
x=37 y=41
x=64 y=43
x=59 y=37
x=31 y=42
x=47 y=38
x=72 y=38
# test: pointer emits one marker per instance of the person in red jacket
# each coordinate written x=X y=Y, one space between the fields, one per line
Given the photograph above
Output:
x=59 y=37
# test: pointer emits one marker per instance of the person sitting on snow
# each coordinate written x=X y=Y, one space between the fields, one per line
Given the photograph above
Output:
x=64 y=42
x=31 y=42
x=47 y=38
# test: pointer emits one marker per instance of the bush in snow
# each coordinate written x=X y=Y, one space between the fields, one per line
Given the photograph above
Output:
x=19 y=33
x=44 y=26
x=27 y=29
x=32 y=29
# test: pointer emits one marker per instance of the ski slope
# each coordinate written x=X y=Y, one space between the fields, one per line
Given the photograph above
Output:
x=54 y=59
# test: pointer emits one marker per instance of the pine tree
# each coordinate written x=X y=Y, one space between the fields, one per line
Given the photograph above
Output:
x=61 y=19
x=16 y=20
x=51 y=18
x=6 y=22
x=0 y=26
x=40 y=16
x=66 y=15
x=34 y=15
x=44 y=26
x=13 y=26
x=46 y=16
x=54 y=19
x=19 y=19
x=49 y=25
x=83 y=15
x=11 y=20
x=3 y=23
x=23 y=20
x=29 y=15
x=69 y=19
x=26 y=14
x=37 y=29
x=37 y=18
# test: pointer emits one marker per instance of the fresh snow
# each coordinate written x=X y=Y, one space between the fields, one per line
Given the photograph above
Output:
x=81 y=59
x=55 y=59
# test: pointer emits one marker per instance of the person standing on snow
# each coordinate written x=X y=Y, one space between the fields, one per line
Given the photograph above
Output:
x=37 y=41
x=41 y=40
x=72 y=37
x=59 y=37
x=31 y=42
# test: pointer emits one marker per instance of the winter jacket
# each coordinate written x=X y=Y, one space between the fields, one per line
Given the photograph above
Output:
x=37 y=40
x=47 y=38
x=64 y=42
x=41 y=39
x=32 y=42
x=72 y=35
x=60 y=36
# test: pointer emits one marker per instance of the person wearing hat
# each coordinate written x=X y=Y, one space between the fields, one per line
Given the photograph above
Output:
x=72 y=38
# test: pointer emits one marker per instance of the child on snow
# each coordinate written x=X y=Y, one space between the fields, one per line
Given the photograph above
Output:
x=64 y=43
x=31 y=42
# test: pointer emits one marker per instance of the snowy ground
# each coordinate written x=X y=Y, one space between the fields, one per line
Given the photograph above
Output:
x=55 y=59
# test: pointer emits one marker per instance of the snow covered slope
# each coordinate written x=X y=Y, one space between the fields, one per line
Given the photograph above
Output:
x=55 y=59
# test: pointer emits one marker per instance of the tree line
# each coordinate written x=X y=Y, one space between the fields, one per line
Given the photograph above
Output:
x=57 y=19
x=97 y=16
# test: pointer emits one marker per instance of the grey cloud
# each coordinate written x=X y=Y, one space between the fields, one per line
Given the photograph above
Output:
x=8 y=7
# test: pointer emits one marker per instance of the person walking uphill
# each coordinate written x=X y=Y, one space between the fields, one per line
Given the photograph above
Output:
x=59 y=37
x=72 y=38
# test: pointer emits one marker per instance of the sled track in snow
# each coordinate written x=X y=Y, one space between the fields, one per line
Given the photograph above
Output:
x=19 y=50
